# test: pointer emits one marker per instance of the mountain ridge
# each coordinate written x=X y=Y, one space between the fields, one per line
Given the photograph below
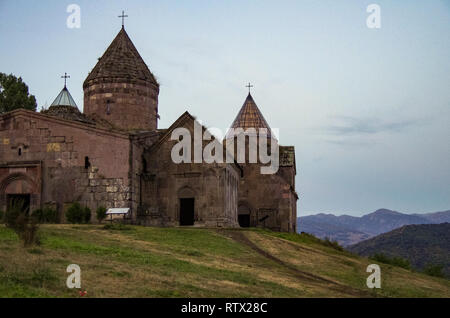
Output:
x=349 y=230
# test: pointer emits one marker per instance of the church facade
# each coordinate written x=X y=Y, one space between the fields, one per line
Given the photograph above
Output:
x=113 y=154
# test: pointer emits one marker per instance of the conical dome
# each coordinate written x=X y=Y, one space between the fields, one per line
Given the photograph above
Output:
x=121 y=89
x=64 y=99
x=64 y=107
x=249 y=117
x=121 y=60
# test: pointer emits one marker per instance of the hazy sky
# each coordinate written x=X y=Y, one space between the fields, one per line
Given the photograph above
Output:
x=368 y=110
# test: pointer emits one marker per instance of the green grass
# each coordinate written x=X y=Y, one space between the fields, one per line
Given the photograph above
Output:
x=137 y=261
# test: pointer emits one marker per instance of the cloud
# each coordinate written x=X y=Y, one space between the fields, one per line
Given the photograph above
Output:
x=354 y=126
x=352 y=143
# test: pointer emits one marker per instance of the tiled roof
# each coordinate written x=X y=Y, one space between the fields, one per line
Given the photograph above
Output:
x=121 y=60
x=249 y=117
x=64 y=99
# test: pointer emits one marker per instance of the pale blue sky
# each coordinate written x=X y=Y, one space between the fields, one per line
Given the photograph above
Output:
x=367 y=109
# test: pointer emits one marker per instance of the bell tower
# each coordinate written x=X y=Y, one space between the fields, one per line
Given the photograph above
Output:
x=121 y=89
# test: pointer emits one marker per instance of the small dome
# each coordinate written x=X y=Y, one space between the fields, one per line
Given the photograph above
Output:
x=64 y=99
x=249 y=117
x=64 y=107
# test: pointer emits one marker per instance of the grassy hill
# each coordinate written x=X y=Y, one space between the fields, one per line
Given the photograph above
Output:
x=420 y=244
x=190 y=262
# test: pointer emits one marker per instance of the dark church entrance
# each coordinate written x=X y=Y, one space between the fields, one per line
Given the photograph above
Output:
x=22 y=200
x=244 y=220
x=187 y=211
x=243 y=215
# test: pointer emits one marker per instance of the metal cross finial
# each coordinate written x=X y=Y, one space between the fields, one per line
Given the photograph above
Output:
x=249 y=86
x=123 y=16
x=65 y=78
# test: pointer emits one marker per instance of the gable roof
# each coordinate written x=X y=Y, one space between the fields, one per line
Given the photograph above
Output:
x=121 y=60
x=249 y=117
x=165 y=133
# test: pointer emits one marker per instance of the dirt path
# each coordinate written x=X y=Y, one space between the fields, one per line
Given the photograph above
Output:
x=240 y=237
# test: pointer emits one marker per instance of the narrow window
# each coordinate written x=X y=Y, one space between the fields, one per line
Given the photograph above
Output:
x=87 y=164
x=108 y=107
x=144 y=165
x=20 y=151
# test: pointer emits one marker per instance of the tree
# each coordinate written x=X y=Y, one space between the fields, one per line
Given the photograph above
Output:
x=14 y=94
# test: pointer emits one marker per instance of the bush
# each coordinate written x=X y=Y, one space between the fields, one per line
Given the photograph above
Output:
x=395 y=261
x=2 y=214
x=78 y=214
x=434 y=270
x=46 y=215
x=74 y=213
x=25 y=226
x=101 y=213
x=87 y=215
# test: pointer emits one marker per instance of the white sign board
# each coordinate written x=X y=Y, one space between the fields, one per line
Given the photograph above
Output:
x=118 y=211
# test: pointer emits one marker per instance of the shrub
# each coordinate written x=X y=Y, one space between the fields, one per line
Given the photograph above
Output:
x=50 y=215
x=2 y=214
x=75 y=213
x=87 y=215
x=435 y=270
x=101 y=213
x=46 y=215
x=395 y=261
x=25 y=226
x=38 y=214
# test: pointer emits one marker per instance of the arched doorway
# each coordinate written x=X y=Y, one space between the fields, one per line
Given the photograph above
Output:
x=17 y=190
x=243 y=215
x=186 y=198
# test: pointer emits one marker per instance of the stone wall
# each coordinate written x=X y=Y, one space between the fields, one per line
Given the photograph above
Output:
x=127 y=104
x=214 y=187
x=269 y=199
x=76 y=162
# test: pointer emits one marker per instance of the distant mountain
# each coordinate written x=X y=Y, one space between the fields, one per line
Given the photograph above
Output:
x=327 y=225
x=348 y=230
x=437 y=217
x=420 y=244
